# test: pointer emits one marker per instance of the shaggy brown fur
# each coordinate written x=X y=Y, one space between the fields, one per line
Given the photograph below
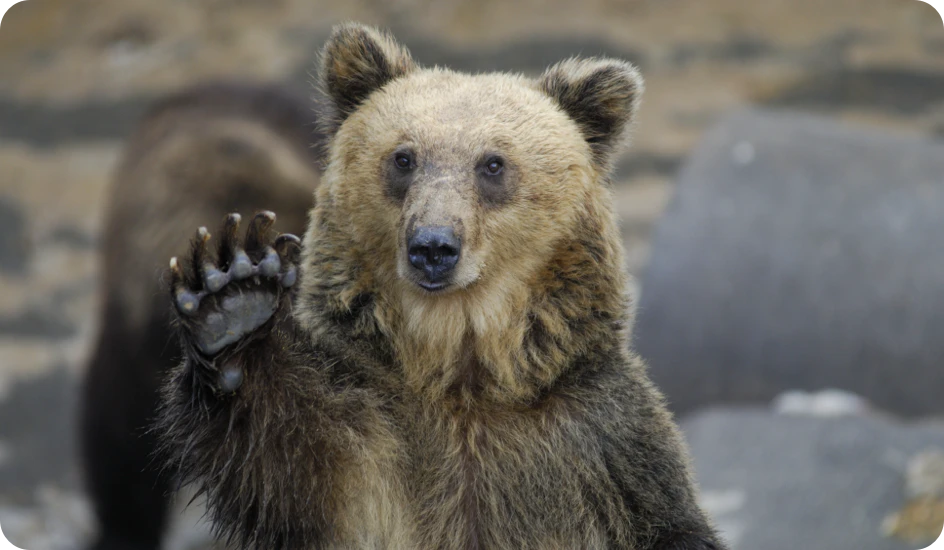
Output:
x=194 y=157
x=505 y=411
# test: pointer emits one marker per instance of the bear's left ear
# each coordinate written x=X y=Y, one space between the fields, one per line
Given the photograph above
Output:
x=356 y=61
x=601 y=96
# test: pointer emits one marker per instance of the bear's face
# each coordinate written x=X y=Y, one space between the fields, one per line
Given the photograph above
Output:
x=461 y=173
x=452 y=181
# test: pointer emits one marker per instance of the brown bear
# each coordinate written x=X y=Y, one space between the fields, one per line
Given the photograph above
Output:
x=455 y=371
x=193 y=157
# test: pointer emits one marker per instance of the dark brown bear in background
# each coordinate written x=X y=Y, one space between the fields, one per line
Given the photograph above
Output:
x=193 y=158
x=455 y=371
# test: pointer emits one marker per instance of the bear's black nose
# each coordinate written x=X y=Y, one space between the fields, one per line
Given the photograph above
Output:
x=434 y=251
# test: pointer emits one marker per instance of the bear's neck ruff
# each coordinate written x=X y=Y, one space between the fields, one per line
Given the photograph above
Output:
x=503 y=340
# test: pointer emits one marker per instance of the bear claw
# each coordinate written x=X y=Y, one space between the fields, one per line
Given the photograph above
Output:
x=233 y=315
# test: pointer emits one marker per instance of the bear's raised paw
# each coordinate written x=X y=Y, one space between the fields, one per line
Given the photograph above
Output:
x=222 y=300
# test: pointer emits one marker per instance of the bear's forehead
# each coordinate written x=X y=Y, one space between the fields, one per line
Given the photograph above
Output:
x=458 y=95
x=439 y=105
x=446 y=86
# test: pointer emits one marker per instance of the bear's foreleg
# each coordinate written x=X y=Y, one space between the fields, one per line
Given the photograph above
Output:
x=251 y=415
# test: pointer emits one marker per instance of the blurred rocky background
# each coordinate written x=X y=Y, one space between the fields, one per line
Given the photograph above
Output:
x=789 y=291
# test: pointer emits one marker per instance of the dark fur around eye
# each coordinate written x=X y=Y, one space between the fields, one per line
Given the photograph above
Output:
x=399 y=173
x=494 y=181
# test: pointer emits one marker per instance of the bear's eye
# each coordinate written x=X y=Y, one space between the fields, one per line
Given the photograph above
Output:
x=403 y=161
x=494 y=166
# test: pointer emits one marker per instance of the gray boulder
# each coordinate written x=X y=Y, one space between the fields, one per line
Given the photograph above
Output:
x=799 y=253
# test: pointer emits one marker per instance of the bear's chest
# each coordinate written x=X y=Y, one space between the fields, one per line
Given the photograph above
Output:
x=498 y=481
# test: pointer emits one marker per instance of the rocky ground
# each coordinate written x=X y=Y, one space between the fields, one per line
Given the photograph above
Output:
x=76 y=73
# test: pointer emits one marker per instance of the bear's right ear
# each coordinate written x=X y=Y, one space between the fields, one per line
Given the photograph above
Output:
x=356 y=61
